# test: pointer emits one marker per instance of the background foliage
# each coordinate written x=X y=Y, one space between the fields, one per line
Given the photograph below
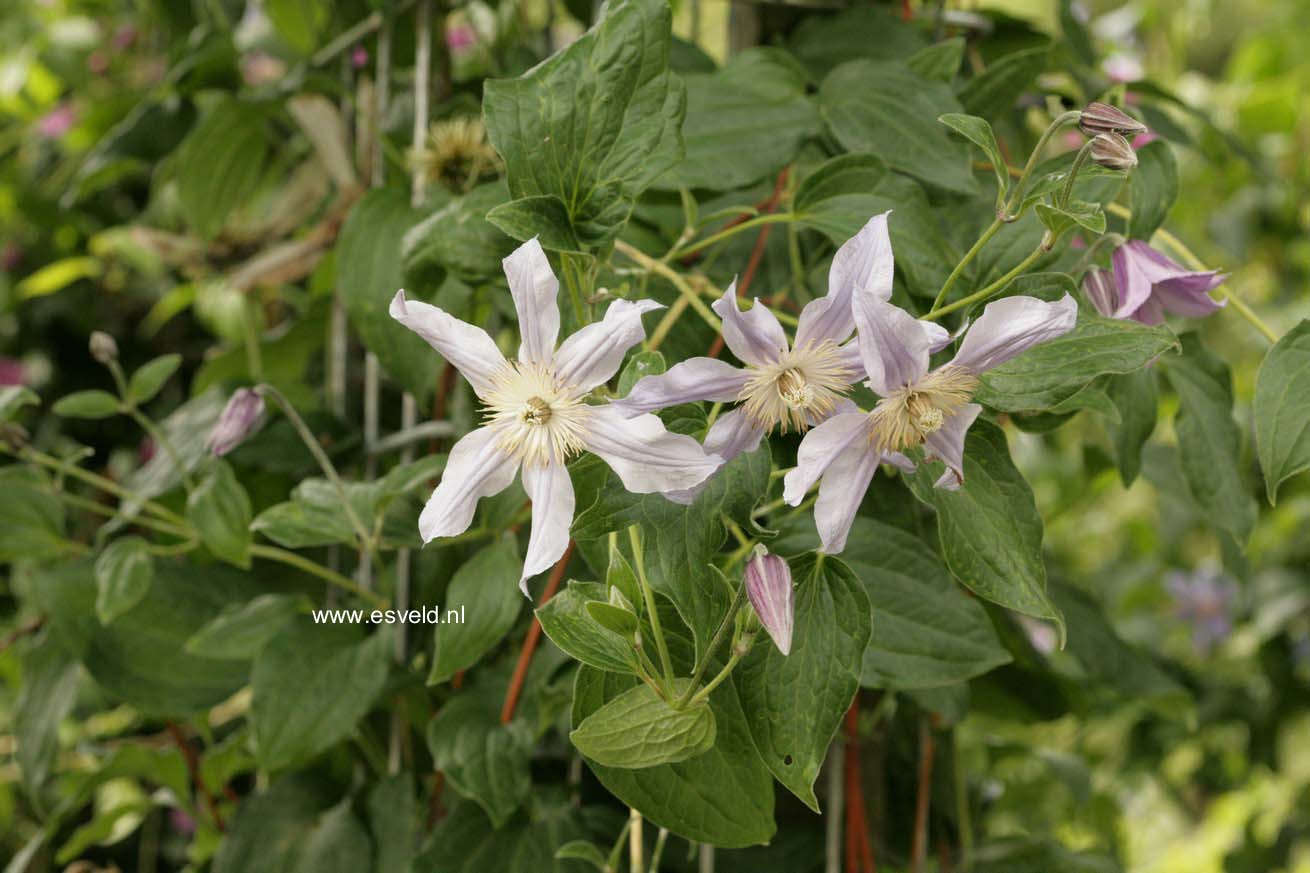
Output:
x=235 y=190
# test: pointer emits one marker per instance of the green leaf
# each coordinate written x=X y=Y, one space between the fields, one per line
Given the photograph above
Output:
x=544 y=216
x=219 y=164
x=638 y=367
x=123 y=573
x=293 y=828
x=459 y=238
x=840 y=196
x=14 y=398
x=187 y=428
x=485 y=590
x=1137 y=398
x=464 y=841
x=88 y=404
x=47 y=695
x=58 y=275
x=299 y=22
x=392 y=820
x=640 y=729
x=939 y=61
x=1075 y=213
x=369 y=271
x=885 y=109
x=757 y=99
x=980 y=133
x=566 y=621
x=1282 y=409
x=1054 y=371
x=724 y=796
x=31 y=518
x=1209 y=441
x=581 y=850
x=337 y=843
x=1153 y=188
x=619 y=574
x=219 y=509
x=613 y=618
x=823 y=42
x=311 y=683
x=990 y=529
x=997 y=89
x=483 y=759
x=794 y=703
x=593 y=125
x=242 y=629
x=146 y=382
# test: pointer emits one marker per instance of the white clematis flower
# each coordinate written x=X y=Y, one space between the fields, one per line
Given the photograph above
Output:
x=537 y=414
x=918 y=407
x=791 y=386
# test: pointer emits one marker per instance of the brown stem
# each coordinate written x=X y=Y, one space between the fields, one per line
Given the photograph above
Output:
x=23 y=631
x=922 y=799
x=531 y=640
x=193 y=769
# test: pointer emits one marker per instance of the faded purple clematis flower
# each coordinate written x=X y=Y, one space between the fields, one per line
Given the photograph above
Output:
x=792 y=386
x=1204 y=599
x=236 y=422
x=917 y=406
x=537 y=415
x=768 y=587
x=1145 y=284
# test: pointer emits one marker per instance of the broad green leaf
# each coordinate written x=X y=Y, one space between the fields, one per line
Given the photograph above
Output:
x=87 y=404
x=593 y=125
x=1076 y=213
x=543 y=216
x=980 y=133
x=485 y=589
x=465 y=841
x=58 y=275
x=794 y=703
x=724 y=796
x=1209 y=441
x=459 y=239
x=291 y=828
x=146 y=382
x=939 y=61
x=744 y=122
x=614 y=618
x=822 y=42
x=242 y=629
x=31 y=517
x=337 y=843
x=1136 y=397
x=1282 y=409
x=392 y=813
x=483 y=759
x=187 y=428
x=884 y=108
x=312 y=683
x=619 y=574
x=1054 y=371
x=369 y=272
x=638 y=367
x=581 y=850
x=14 y=398
x=843 y=193
x=566 y=621
x=140 y=657
x=639 y=729
x=299 y=22
x=123 y=573
x=315 y=515
x=1153 y=188
x=996 y=90
x=219 y=509
x=990 y=529
x=219 y=164
x=46 y=697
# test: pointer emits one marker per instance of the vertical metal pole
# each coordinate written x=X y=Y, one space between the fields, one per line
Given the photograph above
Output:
x=834 y=815
x=338 y=331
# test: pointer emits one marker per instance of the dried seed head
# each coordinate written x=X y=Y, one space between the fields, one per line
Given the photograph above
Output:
x=1104 y=118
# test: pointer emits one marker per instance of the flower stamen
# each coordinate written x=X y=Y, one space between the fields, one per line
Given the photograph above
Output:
x=801 y=388
x=907 y=417
x=537 y=419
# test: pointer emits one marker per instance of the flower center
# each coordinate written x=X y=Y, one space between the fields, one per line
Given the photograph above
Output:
x=911 y=414
x=537 y=420
x=801 y=388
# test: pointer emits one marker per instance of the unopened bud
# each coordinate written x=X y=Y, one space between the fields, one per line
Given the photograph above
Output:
x=1113 y=152
x=238 y=420
x=768 y=585
x=1104 y=118
x=1103 y=291
x=103 y=347
x=618 y=600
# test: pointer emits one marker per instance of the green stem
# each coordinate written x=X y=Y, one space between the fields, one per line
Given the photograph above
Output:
x=991 y=289
x=657 y=854
x=273 y=553
x=98 y=481
x=733 y=660
x=963 y=817
x=715 y=640
x=324 y=463
x=675 y=278
x=1078 y=161
x=649 y=596
x=757 y=221
x=101 y=509
x=1060 y=121
x=157 y=434
x=964 y=262
x=254 y=355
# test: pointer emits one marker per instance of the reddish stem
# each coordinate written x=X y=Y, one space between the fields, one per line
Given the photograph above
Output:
x=919 y=850
x=530 y=641
x=193 y=769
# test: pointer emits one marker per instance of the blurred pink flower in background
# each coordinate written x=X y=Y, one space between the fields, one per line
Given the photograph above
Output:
x=1205 y=599
x=12 y=372
x=359 y=57
x=124 y=37
x=261 y=68
x=1145 y=139
x=97 y=63
x=460 y=36
x=11 y=256
x=57 y=122
x=1123 y=68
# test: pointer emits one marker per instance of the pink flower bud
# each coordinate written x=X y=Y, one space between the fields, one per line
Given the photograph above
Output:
x=1113 y=152
x=359 y=57
x=103 y=347
x=238 y=420
x=768 y=585
x=1104 y=118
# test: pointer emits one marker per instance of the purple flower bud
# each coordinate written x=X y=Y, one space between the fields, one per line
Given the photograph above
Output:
x=239 y=419
x=103 y=347
x=1113 y=152
x=1104 y=118
x=768 y=585
x=1101 y=290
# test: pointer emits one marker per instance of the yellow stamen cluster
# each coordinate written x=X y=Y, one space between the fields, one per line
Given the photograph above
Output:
x=801 y=388
x=456 y=153
x=907 y=417
x=537 y=420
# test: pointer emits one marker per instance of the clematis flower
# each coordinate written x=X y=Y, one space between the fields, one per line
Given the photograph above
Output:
x=769 y=589
x=791 y=386
x=537 y=414
x=1205 y=599
x=1145 y=284
x=918 y=406
x=239 y=419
